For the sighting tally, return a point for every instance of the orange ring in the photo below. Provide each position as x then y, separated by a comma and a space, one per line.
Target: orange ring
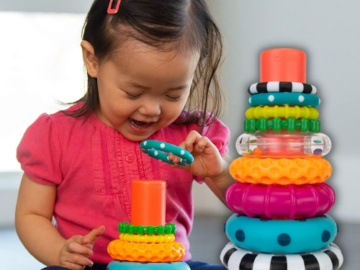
280, 171
141, 252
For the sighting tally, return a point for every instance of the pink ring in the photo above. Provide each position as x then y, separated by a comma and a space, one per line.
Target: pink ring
293, 201
278, 200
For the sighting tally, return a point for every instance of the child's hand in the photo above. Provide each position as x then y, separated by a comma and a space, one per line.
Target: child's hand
207, 159
77, 249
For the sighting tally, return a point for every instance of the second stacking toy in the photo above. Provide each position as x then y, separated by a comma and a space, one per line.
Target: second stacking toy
146, 242
280, 200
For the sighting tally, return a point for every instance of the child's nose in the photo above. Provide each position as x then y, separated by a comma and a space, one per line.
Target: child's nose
150, 108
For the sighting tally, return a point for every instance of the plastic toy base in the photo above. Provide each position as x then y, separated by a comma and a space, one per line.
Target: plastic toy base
277, 200
235, 258
141, 252
280, 171
121, 265
281, 236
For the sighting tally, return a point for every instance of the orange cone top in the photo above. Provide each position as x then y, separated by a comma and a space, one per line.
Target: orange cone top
148, 202
284, 65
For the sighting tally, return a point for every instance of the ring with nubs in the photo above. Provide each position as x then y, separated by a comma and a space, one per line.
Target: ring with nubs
156, 149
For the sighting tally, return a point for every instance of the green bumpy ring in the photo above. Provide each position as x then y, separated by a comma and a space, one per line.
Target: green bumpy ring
126, 227
277, 124
154, 149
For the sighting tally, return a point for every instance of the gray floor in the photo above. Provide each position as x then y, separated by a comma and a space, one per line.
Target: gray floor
207, 239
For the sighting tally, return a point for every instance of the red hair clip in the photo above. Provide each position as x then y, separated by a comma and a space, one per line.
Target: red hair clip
111, 10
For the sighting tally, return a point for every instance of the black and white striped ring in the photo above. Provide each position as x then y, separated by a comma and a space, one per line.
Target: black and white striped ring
273, 87
235, 258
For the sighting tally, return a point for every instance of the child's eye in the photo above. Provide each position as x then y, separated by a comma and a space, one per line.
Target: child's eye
133, 96
174, 98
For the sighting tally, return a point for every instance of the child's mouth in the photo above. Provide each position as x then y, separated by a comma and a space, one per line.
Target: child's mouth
139, 123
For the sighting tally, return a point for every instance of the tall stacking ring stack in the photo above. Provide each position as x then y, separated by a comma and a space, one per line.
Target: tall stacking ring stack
280, 201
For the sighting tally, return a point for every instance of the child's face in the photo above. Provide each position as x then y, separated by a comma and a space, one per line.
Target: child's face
142, 90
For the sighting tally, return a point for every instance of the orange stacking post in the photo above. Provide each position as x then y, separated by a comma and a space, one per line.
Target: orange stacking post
283, 65
148, 202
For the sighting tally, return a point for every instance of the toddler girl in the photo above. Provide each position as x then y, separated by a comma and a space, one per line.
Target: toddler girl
148, 66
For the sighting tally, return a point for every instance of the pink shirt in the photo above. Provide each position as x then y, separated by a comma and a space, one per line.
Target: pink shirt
93, 166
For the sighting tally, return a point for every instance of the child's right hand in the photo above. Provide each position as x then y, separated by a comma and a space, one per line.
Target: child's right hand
77, 249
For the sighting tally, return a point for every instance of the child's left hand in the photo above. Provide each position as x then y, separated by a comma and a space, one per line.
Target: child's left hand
207, 159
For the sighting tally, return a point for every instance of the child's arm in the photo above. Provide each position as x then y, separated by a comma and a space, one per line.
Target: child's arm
33, 221
207, 163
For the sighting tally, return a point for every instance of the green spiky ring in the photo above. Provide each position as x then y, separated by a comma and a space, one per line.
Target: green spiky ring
126, 227
156, 149
278, 124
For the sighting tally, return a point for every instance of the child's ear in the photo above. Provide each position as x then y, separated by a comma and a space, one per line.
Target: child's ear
90, 59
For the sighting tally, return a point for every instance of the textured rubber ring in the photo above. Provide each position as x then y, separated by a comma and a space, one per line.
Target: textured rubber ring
235, 258
126, 227
277, 124
144, 238
280, 201
280, 171
281, 87
123, 265
156, 149
282, 112
141, 252
281, 236
284, 99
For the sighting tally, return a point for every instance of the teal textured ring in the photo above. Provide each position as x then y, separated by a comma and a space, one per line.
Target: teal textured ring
295, 99
156, 149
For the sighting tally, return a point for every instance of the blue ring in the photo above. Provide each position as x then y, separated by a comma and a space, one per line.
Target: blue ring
281, 236
122, 265
296, 99
156, 149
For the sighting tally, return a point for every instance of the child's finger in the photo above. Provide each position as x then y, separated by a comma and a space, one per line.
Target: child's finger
201, 144
79, 260
94, 234
191, 139
75, 247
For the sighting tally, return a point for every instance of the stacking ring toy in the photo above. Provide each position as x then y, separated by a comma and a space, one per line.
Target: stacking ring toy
277, 124
136, 238
282, 145
235, 258
141, 252
281, 236
284, 99
280, 201
155, 150
280, 171
117, 265
270, 87
282, 112
126, 227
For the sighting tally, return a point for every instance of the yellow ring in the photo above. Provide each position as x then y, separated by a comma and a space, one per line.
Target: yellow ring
282, 112
280, 171
141, 252
136, 238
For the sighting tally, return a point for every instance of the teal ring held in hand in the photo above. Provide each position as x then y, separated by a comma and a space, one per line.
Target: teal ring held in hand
156, 149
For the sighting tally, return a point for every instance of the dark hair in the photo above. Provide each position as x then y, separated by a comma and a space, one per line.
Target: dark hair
182, 24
